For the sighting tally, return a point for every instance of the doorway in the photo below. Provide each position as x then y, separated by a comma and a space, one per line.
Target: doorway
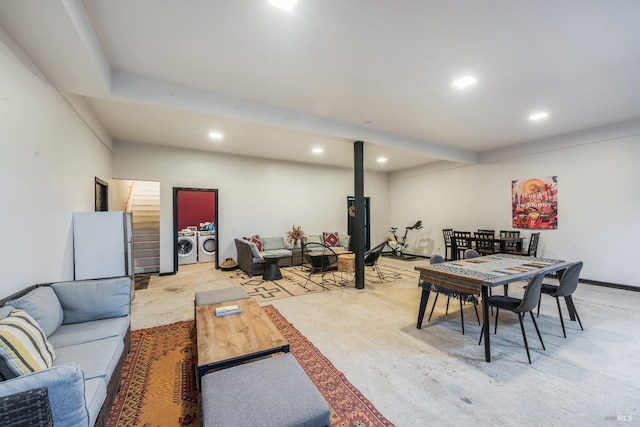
142, 199
195, 209
351, 201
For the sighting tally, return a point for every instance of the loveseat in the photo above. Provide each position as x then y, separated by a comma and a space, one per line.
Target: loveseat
86, 324
251, 258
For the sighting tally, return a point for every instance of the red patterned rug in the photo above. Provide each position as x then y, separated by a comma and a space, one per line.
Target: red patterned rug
159, 389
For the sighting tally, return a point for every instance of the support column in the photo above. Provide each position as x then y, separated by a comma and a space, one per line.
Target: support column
359, 235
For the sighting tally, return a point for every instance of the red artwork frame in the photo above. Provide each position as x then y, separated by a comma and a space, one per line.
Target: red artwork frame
535, 203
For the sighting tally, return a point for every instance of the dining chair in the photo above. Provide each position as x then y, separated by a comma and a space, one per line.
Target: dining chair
510, 246
371, 259
486, 243
471, 253
462, 296
567, 286
462, 241
520, 306
319, 258
486, 230
447, 233
533, 246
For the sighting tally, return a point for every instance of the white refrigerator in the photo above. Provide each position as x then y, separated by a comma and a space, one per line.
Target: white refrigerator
102, 245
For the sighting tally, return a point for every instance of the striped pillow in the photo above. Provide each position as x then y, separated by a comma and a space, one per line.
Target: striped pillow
24, 347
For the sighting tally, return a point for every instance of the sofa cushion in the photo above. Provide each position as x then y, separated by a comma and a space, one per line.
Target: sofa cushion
314, 238
5, 310
66, 392
331, 239
271, 243
43, 305
256, 240
88, 300
95, 393
345, 239
96, 358
280, 253
78, 333
23, 346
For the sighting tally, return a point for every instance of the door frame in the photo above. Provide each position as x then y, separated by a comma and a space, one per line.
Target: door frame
351, 200
102, 195
175, 222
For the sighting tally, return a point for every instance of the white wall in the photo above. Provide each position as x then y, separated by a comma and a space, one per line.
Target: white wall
255, 196
48, 162
598, 199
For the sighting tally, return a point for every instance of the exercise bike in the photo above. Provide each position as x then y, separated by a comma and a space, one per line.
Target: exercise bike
397, 245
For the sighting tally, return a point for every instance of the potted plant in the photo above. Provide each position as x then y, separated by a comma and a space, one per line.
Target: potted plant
296, 235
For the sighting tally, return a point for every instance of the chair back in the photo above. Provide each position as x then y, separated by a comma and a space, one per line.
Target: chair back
485, 241
372, 255
447, 233
569, 280
486, 230
471, 253
436, 259
510, 246
531, 295
533, 244
462, 238
319, 256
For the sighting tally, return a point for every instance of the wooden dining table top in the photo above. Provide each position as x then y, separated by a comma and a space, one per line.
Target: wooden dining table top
491, 270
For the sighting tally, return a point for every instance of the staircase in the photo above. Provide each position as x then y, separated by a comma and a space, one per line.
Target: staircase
144, 204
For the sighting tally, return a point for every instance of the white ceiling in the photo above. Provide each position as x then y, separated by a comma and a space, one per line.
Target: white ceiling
335, 71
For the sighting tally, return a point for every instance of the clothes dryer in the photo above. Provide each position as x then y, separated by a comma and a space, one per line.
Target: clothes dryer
187, 247
206, 246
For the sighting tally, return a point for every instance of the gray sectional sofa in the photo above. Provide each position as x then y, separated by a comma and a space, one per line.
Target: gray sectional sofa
88, 325
251, 261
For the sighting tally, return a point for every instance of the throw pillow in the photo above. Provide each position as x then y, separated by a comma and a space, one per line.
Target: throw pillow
330, 239
24, 347
255, 239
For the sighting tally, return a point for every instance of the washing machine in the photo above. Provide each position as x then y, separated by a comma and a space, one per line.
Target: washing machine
187, 247
206, 246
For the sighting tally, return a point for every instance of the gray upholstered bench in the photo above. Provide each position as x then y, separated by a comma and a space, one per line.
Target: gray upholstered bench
215, 296
271, 392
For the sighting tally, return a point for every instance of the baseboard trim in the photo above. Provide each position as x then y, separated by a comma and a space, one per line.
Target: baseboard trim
611, 285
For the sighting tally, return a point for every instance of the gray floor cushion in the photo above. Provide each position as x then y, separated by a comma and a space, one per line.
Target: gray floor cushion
215, 296
269, 392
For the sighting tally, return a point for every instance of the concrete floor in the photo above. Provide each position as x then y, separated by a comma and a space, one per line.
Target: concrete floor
436, 375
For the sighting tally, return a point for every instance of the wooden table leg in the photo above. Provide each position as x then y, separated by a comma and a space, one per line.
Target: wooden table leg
423, 305
485, 325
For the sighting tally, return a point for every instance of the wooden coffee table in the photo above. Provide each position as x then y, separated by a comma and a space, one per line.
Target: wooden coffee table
233, 339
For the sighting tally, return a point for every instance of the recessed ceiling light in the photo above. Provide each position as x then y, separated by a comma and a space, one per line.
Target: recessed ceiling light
317, 150
464, 81
283, 4
538, 116
382, 160
215, 135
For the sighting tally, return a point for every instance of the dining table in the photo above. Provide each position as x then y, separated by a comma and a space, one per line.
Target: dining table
476, 275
